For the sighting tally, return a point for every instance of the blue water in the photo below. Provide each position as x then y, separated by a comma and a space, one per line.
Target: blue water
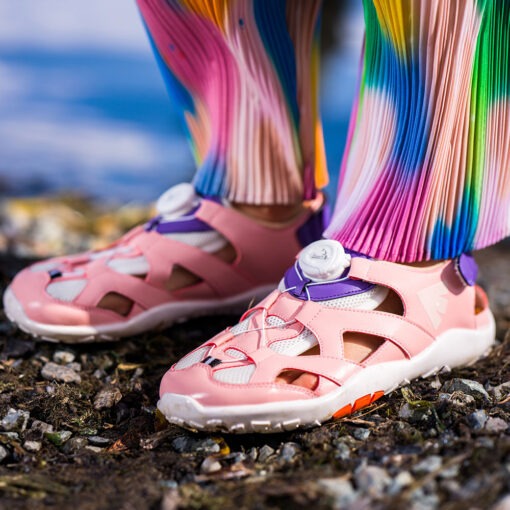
100, 123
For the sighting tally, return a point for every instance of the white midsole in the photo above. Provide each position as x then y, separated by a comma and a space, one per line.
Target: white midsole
453, 348
156, 317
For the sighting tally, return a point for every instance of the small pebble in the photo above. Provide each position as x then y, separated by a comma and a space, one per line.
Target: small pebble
207, 446
428, 465
94, 449
361, 434
52, 371
107, 398
496, 425
501, 392
415, 414
264, 453
99, 441
15, 420
467, 386
10, 435
75, 444
253, 453
32, 446
3, 453
63, 357
58, 438
343, 451
74, 366
41, 427
502, 504
401, 481
340, 489
477, 419
210, 465
289, 451
372, 480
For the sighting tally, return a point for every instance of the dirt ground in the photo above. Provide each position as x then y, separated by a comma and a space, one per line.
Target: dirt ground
442, 442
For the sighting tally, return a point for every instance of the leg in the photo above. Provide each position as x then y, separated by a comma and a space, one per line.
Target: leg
241, 71
433, 183
427, 155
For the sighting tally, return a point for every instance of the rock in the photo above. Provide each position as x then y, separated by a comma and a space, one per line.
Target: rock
75, 444
253, 453
10, 435
288, 451
477, 419
171, 500
74, 366
210, 465
500, 392
450, 472
93, 449
32, 446
52, 371
424, 501
264, 453
17, 347
343, 451
428, 465
502, 504
63, 357
107, 398
467, 386
372, 480
207, 446
99, 441
401, 481
186, 444
415, 414
58, 438
3, 453
41, 427
15, 420
457, 400
340, 489
361, 434
496, 425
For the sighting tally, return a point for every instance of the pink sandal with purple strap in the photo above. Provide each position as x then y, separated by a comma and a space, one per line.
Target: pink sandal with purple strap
233, 382
60, 299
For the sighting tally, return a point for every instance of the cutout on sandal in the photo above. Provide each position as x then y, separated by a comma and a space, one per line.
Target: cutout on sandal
116, 303
298, 378
360, 346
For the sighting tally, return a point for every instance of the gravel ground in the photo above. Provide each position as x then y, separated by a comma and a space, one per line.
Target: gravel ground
79, 429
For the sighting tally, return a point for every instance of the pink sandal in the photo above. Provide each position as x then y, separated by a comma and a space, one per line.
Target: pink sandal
229, 383
58, 299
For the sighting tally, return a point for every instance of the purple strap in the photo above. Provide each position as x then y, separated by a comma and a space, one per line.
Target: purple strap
303, 288
184, 224
467, 268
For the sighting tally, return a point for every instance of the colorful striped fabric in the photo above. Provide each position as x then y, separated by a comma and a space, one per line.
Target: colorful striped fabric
246, 75
426, 174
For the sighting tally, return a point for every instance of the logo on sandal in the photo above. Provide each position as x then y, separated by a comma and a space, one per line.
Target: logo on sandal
434, 300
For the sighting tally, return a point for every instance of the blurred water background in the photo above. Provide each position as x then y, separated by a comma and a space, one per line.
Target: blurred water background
83, 107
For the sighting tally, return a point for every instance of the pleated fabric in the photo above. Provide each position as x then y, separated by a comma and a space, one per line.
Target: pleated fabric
426, 173
246, 75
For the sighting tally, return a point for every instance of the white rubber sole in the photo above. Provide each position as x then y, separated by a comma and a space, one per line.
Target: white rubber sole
456, 347
156, 318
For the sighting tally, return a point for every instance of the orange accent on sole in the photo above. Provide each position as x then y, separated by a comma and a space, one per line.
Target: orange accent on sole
358, 404
345, 411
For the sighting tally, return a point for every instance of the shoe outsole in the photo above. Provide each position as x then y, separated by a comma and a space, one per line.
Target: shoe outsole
454, 348
151, 320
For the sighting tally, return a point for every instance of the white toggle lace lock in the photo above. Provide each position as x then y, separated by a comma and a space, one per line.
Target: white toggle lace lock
324, 260
177, 201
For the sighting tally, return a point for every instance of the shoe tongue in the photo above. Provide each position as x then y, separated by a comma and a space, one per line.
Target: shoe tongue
324, 260
177, 201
